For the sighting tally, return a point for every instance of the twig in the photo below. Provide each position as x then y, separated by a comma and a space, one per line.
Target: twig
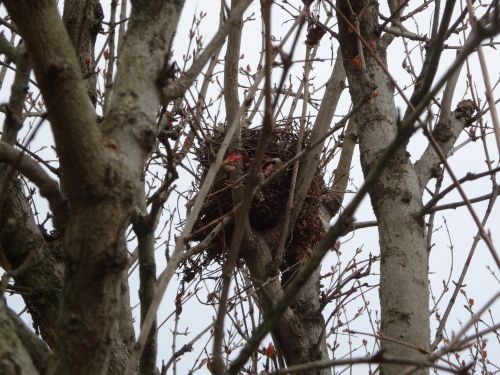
377, 358
48, 187
253, 179
468, 177
484, 71
177, 88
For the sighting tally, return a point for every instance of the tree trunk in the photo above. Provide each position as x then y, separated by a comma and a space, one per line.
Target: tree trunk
396, 197
300, 332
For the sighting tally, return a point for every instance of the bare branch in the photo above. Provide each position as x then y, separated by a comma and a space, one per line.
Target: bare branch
8, 49
144, 230
377, 358
459, 283
37, 349
431, 62
446, 133
335, 196
58, 73
13, 353
48, 187
484, 71
177, 88
308, 166
469, 177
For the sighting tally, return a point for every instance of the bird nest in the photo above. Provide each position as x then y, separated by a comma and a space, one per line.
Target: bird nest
269, 204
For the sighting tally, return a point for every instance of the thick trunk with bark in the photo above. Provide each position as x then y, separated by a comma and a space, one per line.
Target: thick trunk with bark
101, 172
396, 197
36, 268
300, 332
94, 263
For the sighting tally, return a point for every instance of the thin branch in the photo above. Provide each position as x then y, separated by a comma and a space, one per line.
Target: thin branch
457, 339
254, 176
48, 187
432, 58
308, 167
335, 196
468, 177
455, 205
484, 71
177, 88
346, 217
459, 283
180, 244
377, 358
185, 349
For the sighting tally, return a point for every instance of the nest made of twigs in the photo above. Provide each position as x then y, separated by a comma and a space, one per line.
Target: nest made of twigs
269, 204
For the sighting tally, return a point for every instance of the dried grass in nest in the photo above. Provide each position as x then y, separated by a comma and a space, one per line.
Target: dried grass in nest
268, 206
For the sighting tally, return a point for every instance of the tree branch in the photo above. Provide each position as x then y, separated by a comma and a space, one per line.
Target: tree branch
48, 187
332, 201
309, 165
14, 355
136, 96
177, 88
37, 349
70, 111
241, 224
83, 21
34, 263
468, 177
8, 49
145, 232
446, 133
432, 58
377, 358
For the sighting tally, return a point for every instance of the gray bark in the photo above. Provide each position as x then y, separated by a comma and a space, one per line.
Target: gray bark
83, 22
299, 335
396, 200
14, 357
36, 265
101, 184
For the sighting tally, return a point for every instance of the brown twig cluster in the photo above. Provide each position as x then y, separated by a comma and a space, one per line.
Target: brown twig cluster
269, 204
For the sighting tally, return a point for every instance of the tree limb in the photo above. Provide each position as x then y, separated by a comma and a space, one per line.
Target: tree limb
332, 201
14, 356
37, 349
70, 111
145, 232
48, 187
131, 120
309, 165
177, 88
8, 49
34, 263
